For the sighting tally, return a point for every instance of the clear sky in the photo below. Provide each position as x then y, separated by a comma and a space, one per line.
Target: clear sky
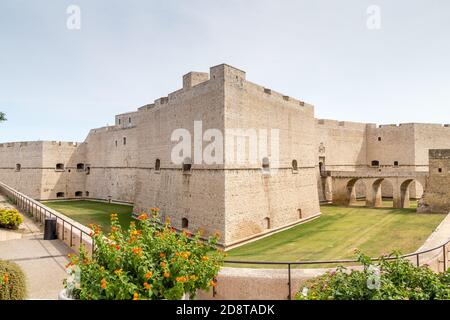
56, 83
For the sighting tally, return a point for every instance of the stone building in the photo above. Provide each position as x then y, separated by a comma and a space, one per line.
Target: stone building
437, 194
132, 160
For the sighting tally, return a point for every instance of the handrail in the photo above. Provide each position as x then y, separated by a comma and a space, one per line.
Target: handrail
42, 212
27, 203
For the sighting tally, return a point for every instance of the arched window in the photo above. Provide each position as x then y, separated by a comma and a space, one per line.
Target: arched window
267, 223
294, 165
87, 193
79, 194
157, 165
60, 167
88, 170
18, 167
375, 163
266, 165
187, 165
60, 195
80, 167
185, 223
124, 141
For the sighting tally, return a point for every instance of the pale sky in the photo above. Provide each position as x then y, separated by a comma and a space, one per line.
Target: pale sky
56, 83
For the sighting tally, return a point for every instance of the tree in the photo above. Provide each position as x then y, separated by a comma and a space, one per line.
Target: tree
2, 116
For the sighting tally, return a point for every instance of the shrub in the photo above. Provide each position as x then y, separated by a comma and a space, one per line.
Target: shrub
12, 281
396, 279
148, 261
10, 219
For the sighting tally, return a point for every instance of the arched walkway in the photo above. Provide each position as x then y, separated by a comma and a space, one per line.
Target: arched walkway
377, 191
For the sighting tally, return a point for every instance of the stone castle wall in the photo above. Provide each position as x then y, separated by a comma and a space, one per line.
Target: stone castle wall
237, 199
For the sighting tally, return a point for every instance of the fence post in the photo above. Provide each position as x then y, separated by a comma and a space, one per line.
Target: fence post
445, 257
418, 261
289, 282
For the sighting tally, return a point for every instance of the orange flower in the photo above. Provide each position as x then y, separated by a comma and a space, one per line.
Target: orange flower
181, 279
205, 258
162, 255
104, 283
137, 251
213, 284
6, 278
143, 217
147, 286
69, 265
166, 274
163, 264
186, 255
135, 296
148, 275
118, 247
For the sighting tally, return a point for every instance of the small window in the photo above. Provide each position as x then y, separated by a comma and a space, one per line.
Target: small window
267, 223
294, 165
299, 211
80, 167
185, 223
379, 138
396, 164
440, 170
120, 121
129, 120
60, 195
187, 165
18, 167
116, 143
375, 163
124, 141
87, 193
88, 170
157, 165
266, 165
79, 194
60, 167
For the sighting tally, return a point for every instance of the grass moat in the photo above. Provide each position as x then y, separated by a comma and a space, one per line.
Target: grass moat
340, 230
93, 212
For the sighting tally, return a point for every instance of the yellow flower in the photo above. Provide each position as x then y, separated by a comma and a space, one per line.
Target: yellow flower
135, 296
118, 272
205, 258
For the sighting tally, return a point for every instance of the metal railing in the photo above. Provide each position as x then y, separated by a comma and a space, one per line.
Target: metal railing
289, 265
41, 212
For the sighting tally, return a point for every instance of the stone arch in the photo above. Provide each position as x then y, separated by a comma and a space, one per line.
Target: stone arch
404, 198
375, 197
354, 194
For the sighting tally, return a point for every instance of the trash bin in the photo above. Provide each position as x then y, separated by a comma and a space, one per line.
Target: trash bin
50, 229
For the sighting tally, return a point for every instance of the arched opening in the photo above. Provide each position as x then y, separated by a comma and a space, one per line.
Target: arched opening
411, 191
87, 193
88, 170
157, 165
294, 165
356, 192
184, 223
381, 194
79, 194
187, 165
60, 195
266, 165
267, 223
59, 167
18, 167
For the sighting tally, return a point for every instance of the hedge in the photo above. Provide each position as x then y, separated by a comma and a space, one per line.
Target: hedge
12, 281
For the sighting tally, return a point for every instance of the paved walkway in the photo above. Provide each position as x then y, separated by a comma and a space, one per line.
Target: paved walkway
43, 262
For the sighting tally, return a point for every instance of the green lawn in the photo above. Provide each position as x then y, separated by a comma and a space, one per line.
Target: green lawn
339, 231
87, 212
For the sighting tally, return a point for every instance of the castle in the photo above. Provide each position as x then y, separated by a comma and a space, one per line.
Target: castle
316, 160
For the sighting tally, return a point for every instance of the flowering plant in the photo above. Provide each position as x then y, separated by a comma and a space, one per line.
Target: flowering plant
150, 260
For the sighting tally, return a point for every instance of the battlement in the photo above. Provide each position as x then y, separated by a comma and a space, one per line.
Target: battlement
436, 154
